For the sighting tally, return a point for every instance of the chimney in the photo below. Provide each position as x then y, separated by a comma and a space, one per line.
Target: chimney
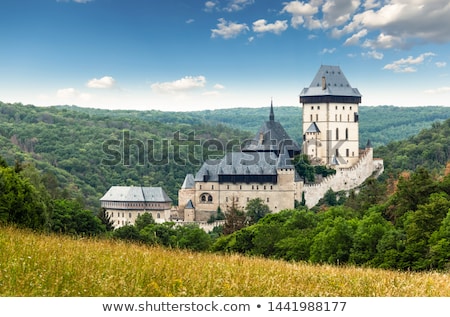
324, 83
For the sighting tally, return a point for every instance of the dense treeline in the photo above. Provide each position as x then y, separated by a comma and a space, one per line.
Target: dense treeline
380, 124
89, 153
408, 229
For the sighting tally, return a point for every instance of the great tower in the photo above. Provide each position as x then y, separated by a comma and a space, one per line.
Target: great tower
331, 119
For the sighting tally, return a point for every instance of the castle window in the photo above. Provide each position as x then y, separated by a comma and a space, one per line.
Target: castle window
129, 215
267, 199
158, 215
312, 107
337, 134
346, 133
200, 186
348, 118
317, 117
318, 107
335, 117
206, 198
347, 152
248, 199
212, 187
311, 118
337, 152
228, 186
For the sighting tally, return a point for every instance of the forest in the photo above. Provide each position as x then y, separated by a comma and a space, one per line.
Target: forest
51, 176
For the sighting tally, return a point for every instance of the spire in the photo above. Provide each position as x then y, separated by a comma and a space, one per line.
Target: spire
271, 116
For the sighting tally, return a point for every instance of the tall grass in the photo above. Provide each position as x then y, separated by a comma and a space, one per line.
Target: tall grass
50, 265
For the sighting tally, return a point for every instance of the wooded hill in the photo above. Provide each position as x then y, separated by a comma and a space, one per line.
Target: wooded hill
78, 147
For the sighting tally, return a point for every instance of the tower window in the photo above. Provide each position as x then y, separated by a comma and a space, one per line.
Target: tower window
346, 134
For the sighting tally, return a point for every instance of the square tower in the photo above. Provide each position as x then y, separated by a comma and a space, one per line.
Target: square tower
330, 119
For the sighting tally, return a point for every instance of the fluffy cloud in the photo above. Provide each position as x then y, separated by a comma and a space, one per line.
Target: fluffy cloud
407, 65
387, 24
102, 83
228, 29
261, 26
300, 11
184, 84
71, 94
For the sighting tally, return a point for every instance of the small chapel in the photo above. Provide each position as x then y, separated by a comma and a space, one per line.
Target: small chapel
263, 168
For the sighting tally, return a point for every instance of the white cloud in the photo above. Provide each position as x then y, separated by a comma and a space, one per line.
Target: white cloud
102, 83
230, 6
71, 94
228, 29
237, 5
401, 23
354, 39
219, 86
441, 64
184, 84
299, 10
440, 90
374, 55
261, 26
384, 41
210, 6
337, 12
328, 51
405, 65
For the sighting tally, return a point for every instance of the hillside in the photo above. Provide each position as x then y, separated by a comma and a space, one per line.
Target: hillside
88, 150
381, 124
52, 265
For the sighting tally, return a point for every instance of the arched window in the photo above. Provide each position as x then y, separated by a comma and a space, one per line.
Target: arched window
206, 198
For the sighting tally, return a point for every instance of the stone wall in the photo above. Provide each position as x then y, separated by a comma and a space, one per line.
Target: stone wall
345, 178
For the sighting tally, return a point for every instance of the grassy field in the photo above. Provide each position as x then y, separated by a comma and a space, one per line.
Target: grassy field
50, 265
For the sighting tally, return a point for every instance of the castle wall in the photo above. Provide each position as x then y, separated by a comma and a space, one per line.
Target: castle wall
344, 179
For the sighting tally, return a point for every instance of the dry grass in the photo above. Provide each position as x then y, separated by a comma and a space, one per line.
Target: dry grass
42, 265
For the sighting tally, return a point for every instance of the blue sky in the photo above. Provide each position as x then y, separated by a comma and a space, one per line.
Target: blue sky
192, 55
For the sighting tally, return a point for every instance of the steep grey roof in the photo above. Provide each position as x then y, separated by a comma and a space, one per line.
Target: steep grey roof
136, 194
272, 137
239, 163
334, 81
189, 182
313, 128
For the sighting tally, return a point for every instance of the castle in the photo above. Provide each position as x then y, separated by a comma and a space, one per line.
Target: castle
264, 169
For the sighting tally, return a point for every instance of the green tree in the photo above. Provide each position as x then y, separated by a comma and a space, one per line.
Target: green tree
368, 233
192, 237
143, 220
256, 210
19, 201
440, 246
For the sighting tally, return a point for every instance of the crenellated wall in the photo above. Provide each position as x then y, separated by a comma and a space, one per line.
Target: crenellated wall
345, 178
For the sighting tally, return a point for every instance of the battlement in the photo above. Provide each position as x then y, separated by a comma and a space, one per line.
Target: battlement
345, 178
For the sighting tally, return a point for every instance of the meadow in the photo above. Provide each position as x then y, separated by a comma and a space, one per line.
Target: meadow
37, 265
